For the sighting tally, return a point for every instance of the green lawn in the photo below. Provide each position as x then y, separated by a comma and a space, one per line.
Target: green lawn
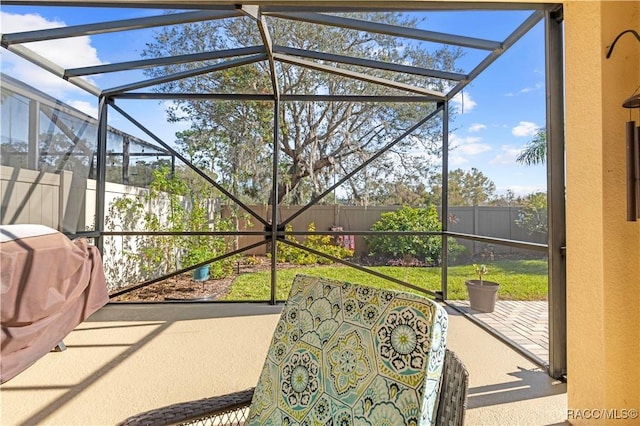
519, 279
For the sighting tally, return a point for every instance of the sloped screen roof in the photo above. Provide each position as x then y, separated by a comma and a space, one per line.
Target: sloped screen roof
256, 37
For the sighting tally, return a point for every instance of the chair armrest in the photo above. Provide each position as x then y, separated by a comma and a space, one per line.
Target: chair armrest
452, 402
228, 409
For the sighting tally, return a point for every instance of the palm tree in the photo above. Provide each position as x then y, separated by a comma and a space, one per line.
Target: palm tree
535, 152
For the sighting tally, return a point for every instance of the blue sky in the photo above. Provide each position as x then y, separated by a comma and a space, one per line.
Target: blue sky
503, 107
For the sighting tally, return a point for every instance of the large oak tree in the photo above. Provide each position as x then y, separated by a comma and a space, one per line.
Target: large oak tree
319, 141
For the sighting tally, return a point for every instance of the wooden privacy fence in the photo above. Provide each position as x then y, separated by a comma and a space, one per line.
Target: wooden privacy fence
66, 202
498, 222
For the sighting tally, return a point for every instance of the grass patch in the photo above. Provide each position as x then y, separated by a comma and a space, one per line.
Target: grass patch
519, 279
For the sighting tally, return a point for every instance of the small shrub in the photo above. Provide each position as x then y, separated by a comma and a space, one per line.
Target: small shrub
533, 216
322, 243
221, 269
252, 260
171, 204
427, 248
201, 248
325, 244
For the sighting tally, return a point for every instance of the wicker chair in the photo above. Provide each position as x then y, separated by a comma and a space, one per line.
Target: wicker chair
343, 352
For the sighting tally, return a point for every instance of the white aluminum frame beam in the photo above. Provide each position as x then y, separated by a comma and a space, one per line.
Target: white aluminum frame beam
321, 6
255, 13
53, 68
113, 26
393, 30
186, 74
292, 6
283, 97
369, 63
358, 76
516, 35
168, 60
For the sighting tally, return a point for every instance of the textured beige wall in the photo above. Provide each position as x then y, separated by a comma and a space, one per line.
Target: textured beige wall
603, 249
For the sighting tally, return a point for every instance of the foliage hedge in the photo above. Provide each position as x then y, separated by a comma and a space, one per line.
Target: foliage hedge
322, 243
425, 248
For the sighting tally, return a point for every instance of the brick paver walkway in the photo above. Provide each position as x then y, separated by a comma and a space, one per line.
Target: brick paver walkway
523, 322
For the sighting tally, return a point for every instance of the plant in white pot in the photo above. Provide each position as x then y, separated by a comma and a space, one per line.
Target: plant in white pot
482, 293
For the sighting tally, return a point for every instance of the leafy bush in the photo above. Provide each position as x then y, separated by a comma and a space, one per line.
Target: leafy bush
427, 248
171, 204
252, 260
121, 259
322, 243
533, 216
200, 248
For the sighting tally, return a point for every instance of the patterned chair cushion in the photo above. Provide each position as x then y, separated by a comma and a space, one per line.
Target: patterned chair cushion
352, 354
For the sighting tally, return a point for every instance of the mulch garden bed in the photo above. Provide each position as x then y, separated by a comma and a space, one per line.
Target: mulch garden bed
184, 288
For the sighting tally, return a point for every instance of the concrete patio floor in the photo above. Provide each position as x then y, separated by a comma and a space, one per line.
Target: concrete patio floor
131, 358
524, 323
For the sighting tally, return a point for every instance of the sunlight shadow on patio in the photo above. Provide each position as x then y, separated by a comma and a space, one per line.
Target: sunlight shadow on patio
130, 358
505, 387
533, 383
73, 390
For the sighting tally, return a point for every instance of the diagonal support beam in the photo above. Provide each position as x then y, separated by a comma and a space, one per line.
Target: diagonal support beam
255, 13
190, 165
53, 68
350, 60
186, 74
384, 149
74, 136
516, 35
113, 26
169, 60
187, 269
393, 30
357, 75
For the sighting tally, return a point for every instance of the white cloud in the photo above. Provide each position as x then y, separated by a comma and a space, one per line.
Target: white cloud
521, 190
468, 145
534, 88
16, 23
525, 128
538, 86
473, 149
455, 140
456, 161
68, 53
464, 102
507, 155
476, 127
86, 107
34, 76
464, 147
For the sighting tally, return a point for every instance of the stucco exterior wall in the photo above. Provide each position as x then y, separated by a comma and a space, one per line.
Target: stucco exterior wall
603, 249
